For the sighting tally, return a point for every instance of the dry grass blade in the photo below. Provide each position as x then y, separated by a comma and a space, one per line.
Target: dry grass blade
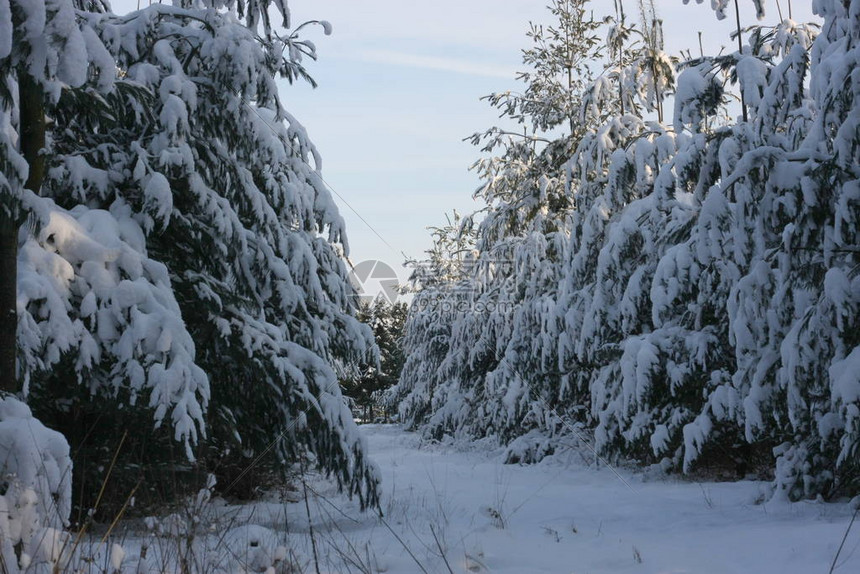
441, 550
86, 524
402, 543
119, 514
844, 538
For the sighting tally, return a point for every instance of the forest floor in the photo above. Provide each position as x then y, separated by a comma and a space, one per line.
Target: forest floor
454, 509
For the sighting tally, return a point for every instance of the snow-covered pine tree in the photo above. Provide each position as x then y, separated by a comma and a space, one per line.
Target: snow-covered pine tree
671, 390
614, 228
173, 167
441, 285
753, 225
498, 371
46, 48
514, 367
757, 254
50, 50
520, 252
41, 47
815, 216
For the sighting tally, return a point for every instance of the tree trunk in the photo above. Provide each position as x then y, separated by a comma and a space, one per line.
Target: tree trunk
740, 53
8, 298
32, 140
32, 130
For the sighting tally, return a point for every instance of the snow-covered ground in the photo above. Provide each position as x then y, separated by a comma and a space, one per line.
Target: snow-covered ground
449, 509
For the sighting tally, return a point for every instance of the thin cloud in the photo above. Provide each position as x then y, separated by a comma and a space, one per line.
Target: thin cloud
436, 63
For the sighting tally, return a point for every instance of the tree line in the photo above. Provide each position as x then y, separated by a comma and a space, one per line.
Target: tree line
668, 264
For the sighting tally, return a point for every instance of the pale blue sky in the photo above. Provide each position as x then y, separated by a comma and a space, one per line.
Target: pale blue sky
399, 88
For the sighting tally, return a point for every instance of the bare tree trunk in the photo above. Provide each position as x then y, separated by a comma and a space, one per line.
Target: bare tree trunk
657, 94
570, 119
32, 140
619, 12
740, 52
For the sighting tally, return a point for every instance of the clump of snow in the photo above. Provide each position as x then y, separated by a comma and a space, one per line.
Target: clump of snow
117, 554
254, 548
94, 262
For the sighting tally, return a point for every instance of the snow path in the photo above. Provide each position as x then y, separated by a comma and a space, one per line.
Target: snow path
560, 518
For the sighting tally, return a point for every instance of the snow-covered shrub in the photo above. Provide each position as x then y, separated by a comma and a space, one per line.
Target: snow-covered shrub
36, 498
528, 448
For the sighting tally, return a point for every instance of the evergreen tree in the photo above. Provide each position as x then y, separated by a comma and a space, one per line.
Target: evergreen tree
200, 252
367, 385
441, 286
495, 351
